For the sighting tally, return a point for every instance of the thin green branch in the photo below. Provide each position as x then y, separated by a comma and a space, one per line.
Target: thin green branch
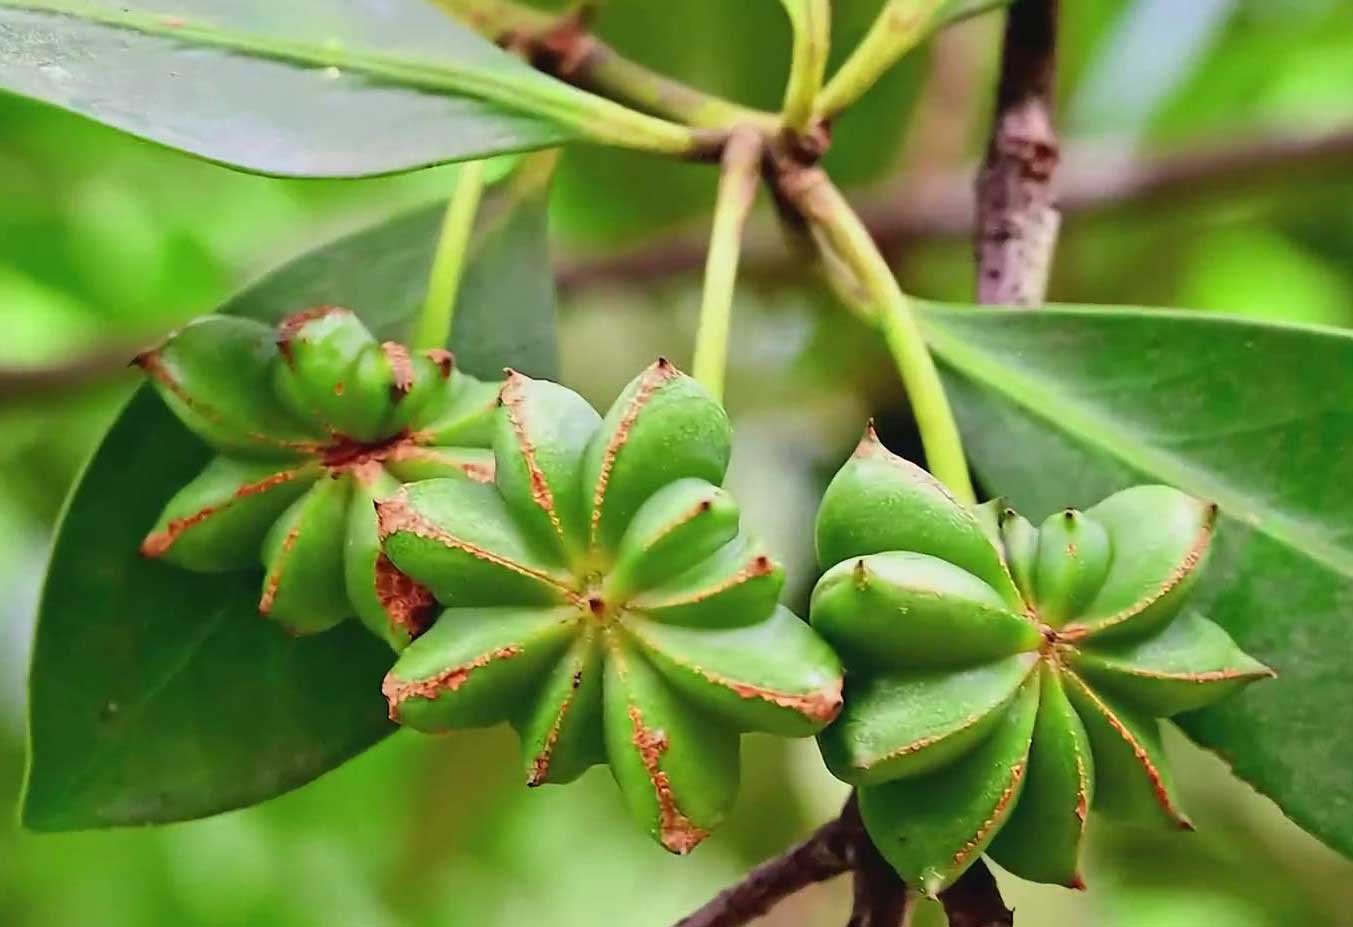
563, 48
811, 21
900, 26
448, 263
737, 190
846, 243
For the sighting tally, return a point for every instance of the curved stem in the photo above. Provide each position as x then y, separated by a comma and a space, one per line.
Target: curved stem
811, 21
737, 189
563, 48
847, 243
899, 27
448, 263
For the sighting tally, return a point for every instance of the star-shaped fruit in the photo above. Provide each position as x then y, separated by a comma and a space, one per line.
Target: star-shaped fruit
601, 596
1003, 679
313, 421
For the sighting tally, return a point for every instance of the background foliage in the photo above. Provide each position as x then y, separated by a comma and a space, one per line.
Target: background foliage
105, 242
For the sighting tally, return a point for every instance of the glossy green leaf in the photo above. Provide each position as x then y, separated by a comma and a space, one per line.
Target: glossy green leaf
160, 694
303, 88
1064, 405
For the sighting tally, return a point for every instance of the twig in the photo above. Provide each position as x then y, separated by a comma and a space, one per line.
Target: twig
1016, 237
899, 27
975, 900
881, 897
91, 368
853, 260
829, 852
1017, 223
1090, 181
566, 49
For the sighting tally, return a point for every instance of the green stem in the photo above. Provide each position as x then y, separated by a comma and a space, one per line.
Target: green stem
448, 263
588, 62
847, 243
737, 189
899, 27
811, 21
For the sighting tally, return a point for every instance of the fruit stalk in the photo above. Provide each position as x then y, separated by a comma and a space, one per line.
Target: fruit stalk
448, 263
844, 241
737, 190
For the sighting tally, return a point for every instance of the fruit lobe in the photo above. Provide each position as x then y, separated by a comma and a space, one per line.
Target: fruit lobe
1005, 679
313, 421
602, 596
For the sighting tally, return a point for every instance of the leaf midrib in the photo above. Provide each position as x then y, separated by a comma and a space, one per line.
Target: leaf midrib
527, 94
1042, 397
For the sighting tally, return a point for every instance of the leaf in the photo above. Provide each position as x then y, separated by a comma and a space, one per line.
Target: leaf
305, 88
1063, 406
160, 694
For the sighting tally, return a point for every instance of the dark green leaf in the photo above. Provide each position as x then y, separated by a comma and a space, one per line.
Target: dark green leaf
308, 88
1065, 405
159, 694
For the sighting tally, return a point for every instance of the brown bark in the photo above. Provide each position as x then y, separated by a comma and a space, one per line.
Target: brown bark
1016, 220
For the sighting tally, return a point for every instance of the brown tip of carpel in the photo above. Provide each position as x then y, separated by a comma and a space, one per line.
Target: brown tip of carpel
444, 359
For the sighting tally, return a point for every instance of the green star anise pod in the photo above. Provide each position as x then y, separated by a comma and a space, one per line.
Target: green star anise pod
1003, 679
602, 597
313, 421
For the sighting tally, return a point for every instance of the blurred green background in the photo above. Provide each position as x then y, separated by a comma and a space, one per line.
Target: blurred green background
106, 242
